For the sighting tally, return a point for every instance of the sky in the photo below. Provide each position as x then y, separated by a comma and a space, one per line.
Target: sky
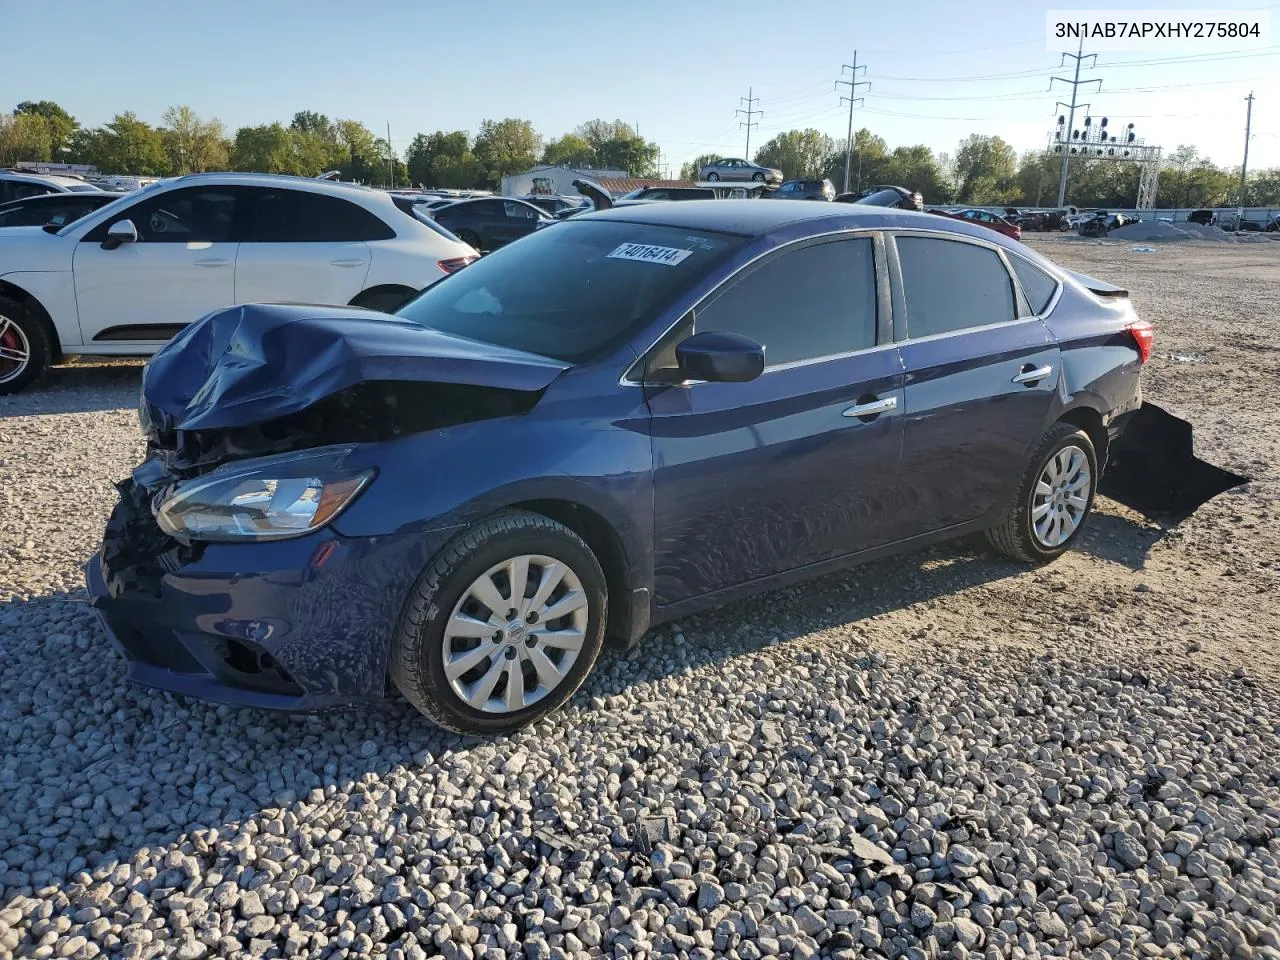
939, 69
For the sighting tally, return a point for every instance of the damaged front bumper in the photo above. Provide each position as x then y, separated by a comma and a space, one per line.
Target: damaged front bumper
299, 624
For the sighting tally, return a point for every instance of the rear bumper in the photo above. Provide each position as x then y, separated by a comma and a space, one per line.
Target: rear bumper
301, 624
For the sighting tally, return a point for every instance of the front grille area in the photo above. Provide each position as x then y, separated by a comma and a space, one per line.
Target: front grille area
135, 552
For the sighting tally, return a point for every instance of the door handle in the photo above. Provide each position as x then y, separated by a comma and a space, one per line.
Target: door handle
1032, 374
347, 263
872, 409
213, 262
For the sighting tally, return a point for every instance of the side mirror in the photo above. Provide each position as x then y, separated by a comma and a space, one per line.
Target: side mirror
122, 231
719, 357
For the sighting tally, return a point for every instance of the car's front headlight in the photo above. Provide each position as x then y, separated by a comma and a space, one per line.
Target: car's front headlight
268, 499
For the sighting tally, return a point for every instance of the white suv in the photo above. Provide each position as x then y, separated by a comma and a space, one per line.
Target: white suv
129, 276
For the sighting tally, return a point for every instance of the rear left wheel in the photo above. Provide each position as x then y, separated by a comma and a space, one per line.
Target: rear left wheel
503, 626
1053, 499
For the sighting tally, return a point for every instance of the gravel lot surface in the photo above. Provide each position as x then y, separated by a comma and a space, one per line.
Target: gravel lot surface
942, 755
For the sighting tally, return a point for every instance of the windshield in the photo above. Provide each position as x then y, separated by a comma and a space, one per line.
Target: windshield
572, 292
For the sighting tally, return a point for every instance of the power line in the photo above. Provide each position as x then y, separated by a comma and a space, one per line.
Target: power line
853, 83
748, 123
1079, 56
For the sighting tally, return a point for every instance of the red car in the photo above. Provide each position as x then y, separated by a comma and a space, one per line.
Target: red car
989, 220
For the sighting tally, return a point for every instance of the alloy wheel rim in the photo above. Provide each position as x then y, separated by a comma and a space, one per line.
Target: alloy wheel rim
515, 633
1061, 497
15, 350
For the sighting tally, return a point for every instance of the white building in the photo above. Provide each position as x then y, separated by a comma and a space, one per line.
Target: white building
547, 179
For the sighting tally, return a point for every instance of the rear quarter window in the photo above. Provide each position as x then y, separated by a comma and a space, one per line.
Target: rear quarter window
1037, 285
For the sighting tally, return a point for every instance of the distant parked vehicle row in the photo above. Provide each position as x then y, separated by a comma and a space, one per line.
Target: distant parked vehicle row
804, 190
984, 219
488, 223
127, 277
16, 185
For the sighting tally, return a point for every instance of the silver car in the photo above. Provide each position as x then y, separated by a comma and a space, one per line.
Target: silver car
734, 169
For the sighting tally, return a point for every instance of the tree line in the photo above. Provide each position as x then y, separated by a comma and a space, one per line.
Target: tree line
987, 171
311, 144
983, 169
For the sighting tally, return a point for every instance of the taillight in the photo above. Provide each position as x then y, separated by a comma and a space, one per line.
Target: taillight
454, 264
1143, 338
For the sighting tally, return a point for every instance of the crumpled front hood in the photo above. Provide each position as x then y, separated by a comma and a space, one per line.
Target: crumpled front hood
258, 362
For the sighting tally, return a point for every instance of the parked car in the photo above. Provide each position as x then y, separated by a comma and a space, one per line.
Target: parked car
669, 193
885, 196
552, 203
735, 169
127, 277
804, 190
15, 185
53, 208
984, 219
614, 423
488, 223
1046, 220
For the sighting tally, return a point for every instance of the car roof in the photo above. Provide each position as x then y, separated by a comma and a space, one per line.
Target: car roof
52, 178
753, 218
332, 187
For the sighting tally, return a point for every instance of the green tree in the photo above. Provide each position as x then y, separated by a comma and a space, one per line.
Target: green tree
61, 124
364, 160
24, 136
571, 150
985, 168
85, 146
1189, 180
308, 121
267, 148
917, 168
1264, 188
131, 146
194, 145
868, 162
506, 146
797, 153
443, 159
615, 145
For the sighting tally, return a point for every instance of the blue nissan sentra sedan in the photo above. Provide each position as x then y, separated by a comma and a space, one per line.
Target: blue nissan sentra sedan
639, 413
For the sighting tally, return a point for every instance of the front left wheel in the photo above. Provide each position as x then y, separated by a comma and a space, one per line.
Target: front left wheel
503, 625
25, 351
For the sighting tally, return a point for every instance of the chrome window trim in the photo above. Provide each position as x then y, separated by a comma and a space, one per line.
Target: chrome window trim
848, 232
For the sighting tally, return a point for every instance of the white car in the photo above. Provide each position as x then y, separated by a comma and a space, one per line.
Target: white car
16, 185
129, 276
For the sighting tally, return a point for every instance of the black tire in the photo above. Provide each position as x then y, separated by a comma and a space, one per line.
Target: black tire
22, 331
713, 177
417, 651
387, 301
758, 177
471, 238
1015, 536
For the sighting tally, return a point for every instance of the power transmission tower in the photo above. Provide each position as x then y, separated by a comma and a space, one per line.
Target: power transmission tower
750, 112
853, 83
1076, 83
1244, 167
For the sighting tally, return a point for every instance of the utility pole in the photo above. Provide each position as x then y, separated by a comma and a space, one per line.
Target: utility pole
1244, 167
853, 83
391, 162
750, 112
1075, 83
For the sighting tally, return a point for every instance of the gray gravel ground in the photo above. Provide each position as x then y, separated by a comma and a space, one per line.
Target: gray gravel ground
942, 755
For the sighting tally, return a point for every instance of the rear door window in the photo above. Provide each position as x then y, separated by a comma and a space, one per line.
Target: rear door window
951, 285
296, 216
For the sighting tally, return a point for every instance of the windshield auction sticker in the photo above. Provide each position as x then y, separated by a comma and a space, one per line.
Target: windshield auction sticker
1146, 31
648, 253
